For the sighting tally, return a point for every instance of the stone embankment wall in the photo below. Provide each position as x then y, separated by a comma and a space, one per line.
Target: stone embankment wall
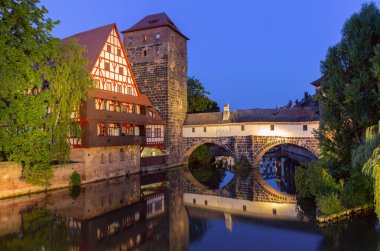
93, 164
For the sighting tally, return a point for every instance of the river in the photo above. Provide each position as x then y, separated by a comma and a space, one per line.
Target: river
158, 212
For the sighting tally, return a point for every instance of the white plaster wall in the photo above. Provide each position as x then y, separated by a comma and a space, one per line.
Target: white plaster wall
256, 129
266, 209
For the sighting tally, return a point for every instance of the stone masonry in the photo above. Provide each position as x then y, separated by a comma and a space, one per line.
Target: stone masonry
253, 148
158, 57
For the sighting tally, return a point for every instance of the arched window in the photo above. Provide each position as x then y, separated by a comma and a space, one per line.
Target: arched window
122, 155
102, 159
110, 158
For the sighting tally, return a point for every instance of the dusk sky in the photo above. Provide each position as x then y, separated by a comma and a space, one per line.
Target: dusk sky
250, 54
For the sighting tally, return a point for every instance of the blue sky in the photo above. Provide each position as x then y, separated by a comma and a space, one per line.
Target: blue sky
248, 53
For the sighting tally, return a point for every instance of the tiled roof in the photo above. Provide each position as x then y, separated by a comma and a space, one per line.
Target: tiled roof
317, 83
254, 115
154, 21
94, 41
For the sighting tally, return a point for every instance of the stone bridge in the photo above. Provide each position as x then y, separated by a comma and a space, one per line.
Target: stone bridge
250, 134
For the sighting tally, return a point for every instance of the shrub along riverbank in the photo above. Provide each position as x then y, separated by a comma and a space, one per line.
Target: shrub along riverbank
346, 174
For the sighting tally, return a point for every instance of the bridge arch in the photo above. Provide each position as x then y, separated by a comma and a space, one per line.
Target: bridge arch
190, 149
263, 191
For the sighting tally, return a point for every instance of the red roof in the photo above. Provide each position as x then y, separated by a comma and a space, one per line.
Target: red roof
154, 21
94, 41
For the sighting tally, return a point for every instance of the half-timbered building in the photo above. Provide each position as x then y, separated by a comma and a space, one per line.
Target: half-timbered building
116, 120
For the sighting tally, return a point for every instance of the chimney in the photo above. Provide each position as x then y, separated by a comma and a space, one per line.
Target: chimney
306, 95
226, 112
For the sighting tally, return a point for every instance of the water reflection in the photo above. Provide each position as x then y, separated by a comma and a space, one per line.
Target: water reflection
158, 212
119, 214
279, 163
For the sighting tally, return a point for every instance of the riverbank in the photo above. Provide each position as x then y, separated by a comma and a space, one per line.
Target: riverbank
13, 185
326, 220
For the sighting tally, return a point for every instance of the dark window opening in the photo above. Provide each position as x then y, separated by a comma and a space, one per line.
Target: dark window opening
193, 129
243, 127
108, 48
119, 52
204, 129
305, 127
106, 66
272, 127
144, 53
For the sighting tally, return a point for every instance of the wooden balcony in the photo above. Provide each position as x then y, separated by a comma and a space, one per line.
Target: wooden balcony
154, 141
116, 140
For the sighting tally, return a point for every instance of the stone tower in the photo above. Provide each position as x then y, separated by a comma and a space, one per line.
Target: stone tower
157, 51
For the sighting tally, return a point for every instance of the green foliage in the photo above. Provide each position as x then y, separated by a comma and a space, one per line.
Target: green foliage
197, 98
312, 180
201, 155
40, 228
372, 165
75, 179
329, 204
242, 167
29, 134
349, 94
357, 191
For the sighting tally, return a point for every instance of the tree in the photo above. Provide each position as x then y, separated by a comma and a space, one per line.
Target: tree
197, 98
349, 94
41, 84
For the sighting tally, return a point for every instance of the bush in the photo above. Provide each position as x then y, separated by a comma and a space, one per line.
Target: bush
329, 204
357, 191
201, 155
312, 180
75, 179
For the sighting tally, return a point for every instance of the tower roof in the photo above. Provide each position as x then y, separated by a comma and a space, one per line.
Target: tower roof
155, 21
94, 41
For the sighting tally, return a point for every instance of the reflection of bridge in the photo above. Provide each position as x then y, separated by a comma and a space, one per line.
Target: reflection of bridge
250, 134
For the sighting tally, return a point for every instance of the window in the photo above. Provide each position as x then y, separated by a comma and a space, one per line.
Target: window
129, 90
113, 129
272, 127
149, 132
101, 129
242, 128
145, 37
193, 129
119, 52
97, 83
137, 109
102, 159
131, 39
305, 127
109, 86
122, 157
124, 107
119, 88
144, 53
204, 129
108, 48
158, 36
106, 66
126, 129
157, 132
121, 70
